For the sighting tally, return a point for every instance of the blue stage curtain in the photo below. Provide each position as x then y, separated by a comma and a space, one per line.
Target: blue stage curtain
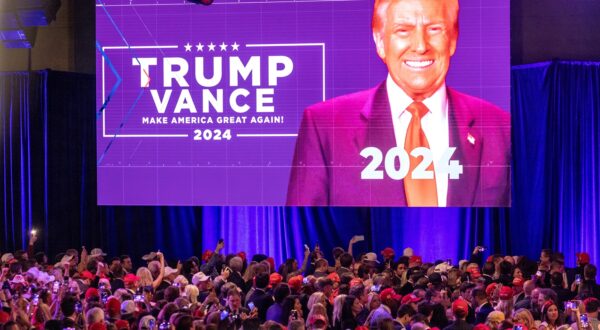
572, 158
529, 103
23, 187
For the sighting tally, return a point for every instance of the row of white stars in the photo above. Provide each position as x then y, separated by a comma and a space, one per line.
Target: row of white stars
211, 47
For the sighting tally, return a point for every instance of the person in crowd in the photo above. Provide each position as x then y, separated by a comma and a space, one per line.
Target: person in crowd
338, 304
275, 311
527, 301
551, 318
346, 262
403, 316
460, 309
505, 305
290, 268
523, 316
518, 291
260, 297
587, 287
484, 307
350, 310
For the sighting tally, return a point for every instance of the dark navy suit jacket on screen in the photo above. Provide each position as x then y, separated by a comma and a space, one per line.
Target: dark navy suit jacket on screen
327, 165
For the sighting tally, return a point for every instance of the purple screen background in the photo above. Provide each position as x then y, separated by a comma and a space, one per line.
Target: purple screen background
135, 167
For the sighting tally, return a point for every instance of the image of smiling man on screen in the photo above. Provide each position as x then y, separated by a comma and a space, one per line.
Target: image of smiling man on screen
412, 140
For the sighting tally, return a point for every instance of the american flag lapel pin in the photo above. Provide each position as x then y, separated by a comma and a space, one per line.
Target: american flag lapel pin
471, 139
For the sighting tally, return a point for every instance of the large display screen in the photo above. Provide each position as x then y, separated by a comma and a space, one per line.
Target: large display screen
307, 103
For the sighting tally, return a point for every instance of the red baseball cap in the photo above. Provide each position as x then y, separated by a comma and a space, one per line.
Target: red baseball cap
334, 277
415, 259
460, 307
583, 258
275, 278
113, 306
388, 252
296, 282
389, 293
87, 275
130, 278
242, 255
91, 292
489, 290
122, 324
506, 293
410, 298
271, 262
206, 255
355, 281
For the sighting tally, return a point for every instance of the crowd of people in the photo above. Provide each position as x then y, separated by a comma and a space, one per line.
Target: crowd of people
88, 290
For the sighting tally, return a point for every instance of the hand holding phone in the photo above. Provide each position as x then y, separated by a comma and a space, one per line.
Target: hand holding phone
583, 318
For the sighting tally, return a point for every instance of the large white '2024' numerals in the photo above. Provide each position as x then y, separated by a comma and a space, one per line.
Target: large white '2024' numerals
444, 166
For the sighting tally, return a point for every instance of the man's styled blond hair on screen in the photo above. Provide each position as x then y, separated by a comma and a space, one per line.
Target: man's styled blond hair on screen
380, 8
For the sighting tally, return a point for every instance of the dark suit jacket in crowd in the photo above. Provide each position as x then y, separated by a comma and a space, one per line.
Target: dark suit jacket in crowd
262, 301
563, 295
523, 303
482, 314
238, 280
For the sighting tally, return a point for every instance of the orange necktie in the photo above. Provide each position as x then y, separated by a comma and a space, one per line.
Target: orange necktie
419, 192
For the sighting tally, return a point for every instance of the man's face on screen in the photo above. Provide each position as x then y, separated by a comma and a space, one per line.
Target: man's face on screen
416, 40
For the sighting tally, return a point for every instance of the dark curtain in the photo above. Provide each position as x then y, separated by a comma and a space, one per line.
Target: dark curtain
572, 157
556, 194
23, 185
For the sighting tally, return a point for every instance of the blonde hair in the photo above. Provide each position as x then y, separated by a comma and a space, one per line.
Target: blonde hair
315, 298
94, 315
181, 280
380, 8
338, 304
317, 308
192, 292
145, 276
527, 317
505, 306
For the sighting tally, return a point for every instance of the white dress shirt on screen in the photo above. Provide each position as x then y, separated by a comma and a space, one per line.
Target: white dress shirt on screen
434, 124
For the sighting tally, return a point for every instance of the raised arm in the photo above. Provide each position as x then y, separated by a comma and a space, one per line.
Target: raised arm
354, 239
82, 260
161, 275
304, 265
